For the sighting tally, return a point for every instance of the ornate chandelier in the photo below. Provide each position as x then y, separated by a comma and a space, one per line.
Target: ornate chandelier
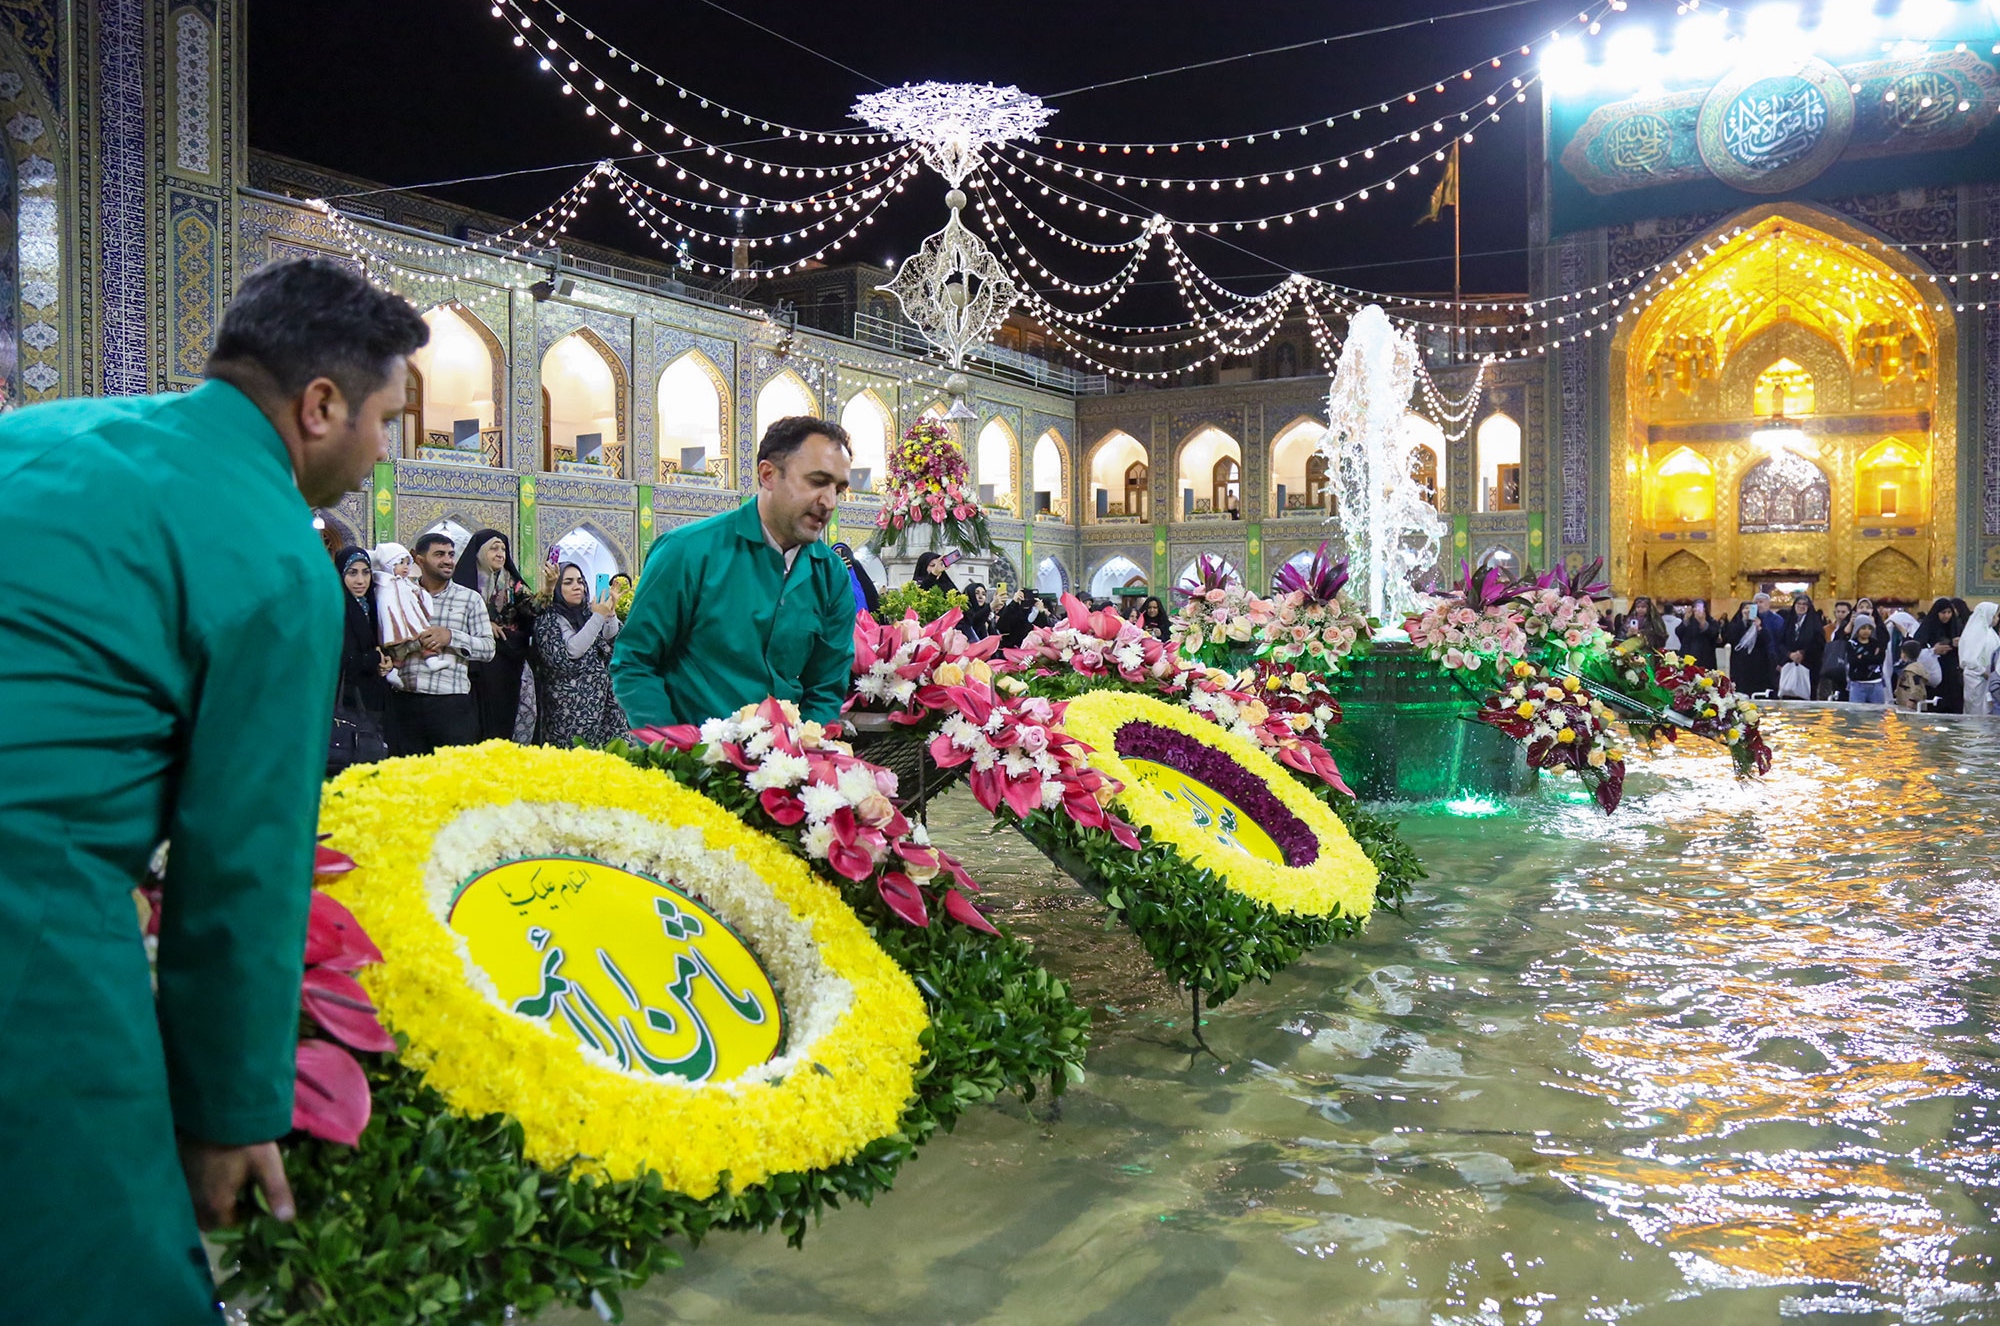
954, 289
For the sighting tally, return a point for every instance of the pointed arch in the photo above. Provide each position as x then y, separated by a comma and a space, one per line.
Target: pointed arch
584, 394
461, 375
997, 464
1111, 468
591, 548
1427, 456
1115, 573
1890, 574
1783, 493
783, 395
1208, 470
1681, 577
866, 420
1298, 468
1682, 491
1048, 476
693, 411
1889, 482
1496, 454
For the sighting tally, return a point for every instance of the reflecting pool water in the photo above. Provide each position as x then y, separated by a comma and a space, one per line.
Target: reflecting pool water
1732, 1055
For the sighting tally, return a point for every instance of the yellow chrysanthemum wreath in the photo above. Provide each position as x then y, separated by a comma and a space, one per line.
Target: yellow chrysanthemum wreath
1342, 878
484, 1059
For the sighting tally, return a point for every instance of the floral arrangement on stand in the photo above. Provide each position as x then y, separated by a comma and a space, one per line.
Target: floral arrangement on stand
1560, 608
525, 1151
929, 485
1563, 727
1675, 694
1315, 629
1475, 626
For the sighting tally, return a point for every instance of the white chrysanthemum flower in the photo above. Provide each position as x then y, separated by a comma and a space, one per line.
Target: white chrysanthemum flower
920, 835
856, 784
1052, 794
817, 840
821, 801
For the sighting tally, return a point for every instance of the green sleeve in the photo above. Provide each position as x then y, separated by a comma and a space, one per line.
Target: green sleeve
652, 630
239, 872
829, 673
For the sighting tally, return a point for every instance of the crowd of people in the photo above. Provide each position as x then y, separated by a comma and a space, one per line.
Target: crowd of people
444, 648
1865, 653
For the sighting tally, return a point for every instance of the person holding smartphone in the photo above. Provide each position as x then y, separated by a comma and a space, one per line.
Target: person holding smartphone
933, 571
573, 644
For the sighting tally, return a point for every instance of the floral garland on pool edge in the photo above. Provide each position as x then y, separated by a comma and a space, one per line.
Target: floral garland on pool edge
1562, 727
507, 1163
1211, 917
1305, 625
928, 484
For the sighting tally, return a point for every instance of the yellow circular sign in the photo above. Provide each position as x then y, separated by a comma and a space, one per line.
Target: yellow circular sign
631, 966
1209, 810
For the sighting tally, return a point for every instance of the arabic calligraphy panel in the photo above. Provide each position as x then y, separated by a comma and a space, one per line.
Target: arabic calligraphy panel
1772, 134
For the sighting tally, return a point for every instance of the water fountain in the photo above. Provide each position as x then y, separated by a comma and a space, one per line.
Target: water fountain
1406, 734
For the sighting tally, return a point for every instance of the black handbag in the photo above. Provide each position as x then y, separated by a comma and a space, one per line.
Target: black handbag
357, 734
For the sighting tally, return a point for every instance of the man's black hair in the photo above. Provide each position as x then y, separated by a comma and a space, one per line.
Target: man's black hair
430, 540
788, 434
1911, 649
308, 318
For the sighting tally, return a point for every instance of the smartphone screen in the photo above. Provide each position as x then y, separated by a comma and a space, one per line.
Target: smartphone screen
950, 559
603, 584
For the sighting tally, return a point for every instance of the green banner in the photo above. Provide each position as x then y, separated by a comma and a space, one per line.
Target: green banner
1535, 544
385, 501
1461, 542
527, 525
1162, 577
1849, 120
1253, 560
645, 491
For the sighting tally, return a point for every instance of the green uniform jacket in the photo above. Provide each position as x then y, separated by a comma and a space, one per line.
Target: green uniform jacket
717, 624
171, 631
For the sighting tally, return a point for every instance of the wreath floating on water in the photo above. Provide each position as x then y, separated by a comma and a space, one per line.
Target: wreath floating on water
628, 1011
1240, 868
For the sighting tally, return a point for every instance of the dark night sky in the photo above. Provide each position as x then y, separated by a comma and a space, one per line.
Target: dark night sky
412, 91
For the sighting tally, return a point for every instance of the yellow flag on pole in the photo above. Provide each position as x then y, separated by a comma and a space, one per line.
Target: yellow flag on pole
1446, 193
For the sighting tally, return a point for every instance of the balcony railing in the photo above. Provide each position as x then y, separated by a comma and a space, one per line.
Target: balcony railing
439, 448
1031, 369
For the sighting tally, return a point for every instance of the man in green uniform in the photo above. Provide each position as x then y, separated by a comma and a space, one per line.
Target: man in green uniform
168, 673
748, 604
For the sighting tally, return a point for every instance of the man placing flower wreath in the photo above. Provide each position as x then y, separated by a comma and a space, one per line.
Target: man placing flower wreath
749, 604
149, 697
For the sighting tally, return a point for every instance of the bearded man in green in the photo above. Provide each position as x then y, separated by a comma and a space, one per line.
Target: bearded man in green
751, 603
170, 676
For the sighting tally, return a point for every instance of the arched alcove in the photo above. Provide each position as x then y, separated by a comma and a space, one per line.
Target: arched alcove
693, 417
459, 374
780, 398
1298, 473
998, 466
1683, 490
1681, 578
1049, 477
1050, 578
1501, 558
583, 419
1783, 493
1119, 475
1496, 449
1889, 574
1209, 474
1427, 456
1889, 483
866, 420
1115, 574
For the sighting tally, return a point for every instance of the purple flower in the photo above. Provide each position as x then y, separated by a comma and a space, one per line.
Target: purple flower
1214, 768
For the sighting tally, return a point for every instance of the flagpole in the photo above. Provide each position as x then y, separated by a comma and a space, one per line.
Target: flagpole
1457, 244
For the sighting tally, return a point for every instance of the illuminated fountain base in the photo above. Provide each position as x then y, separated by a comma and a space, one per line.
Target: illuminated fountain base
1406, 734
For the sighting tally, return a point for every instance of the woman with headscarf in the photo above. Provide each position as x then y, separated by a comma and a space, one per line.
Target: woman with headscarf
1977, 646
1012, 621
1939, 633
1700, 635
487, 569
1642, 620
932, 576
866, 597
978, 621
363, 665
1749, 661
1153, 618
573, 646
